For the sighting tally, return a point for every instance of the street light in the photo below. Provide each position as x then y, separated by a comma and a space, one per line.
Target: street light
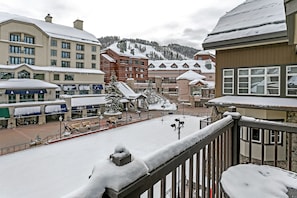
163, 107
60, 119
178, 126
148, 112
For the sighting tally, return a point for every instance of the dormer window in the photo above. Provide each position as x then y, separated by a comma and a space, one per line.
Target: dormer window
197, 65
185, 65
151, 66
162, 66
174, 66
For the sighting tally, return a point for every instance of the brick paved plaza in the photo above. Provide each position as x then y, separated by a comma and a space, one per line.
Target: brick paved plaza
25, 134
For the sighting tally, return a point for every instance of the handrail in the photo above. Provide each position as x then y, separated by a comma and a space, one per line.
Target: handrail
265, 124
167, 159
162, 170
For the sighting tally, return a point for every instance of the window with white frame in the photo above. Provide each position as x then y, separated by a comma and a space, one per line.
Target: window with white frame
273, 135
65, 45
256, 135
228, 81
29, 50
30, 61
291, 80
259, 81
15, 49
29, 39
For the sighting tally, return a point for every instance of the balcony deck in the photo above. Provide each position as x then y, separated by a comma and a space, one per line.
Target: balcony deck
193, 166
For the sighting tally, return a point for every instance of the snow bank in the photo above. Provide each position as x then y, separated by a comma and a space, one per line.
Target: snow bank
250, 180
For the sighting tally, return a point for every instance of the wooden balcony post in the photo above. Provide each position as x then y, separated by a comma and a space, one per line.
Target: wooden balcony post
235, 137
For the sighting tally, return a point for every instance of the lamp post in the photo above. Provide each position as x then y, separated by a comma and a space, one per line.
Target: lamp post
60, 119
163, 107
148, 112
178, 126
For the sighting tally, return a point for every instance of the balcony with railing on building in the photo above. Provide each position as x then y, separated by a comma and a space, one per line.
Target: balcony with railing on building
204, 163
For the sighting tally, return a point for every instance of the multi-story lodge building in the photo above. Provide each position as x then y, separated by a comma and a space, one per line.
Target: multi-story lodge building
67, 58
124, 64
256, 68
63, 55
164, 74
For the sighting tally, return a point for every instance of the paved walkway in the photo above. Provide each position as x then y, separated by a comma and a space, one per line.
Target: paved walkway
24, 134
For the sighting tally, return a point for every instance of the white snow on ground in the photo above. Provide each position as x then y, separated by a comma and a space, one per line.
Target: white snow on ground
58, 169
167, 105
249, 180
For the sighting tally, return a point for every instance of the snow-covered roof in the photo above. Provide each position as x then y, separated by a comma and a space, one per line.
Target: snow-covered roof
126, 90
204, 52
205, 66
190, 75
53, 69
274, 103
107, 57
251, 21
137, 53
53, 30
26, 84
87, 101
208, 84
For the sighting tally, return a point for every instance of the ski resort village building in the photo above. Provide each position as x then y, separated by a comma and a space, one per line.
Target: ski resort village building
55, 60
124, 63
165, 75
256, 68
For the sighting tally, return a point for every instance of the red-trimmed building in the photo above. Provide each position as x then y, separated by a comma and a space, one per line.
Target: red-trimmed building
123, 64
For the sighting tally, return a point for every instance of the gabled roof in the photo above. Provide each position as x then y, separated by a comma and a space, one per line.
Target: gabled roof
107, 57
190, 75
127, 91
253, 22
26, 83
136, 53
53, 30
53, 69
208, 84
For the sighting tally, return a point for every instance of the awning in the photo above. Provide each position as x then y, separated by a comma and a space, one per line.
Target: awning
27, 111
69, 87
84, 87
25, 91
4, 113
55, 109
97, 87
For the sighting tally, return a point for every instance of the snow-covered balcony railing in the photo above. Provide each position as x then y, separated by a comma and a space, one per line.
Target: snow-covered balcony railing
192, 166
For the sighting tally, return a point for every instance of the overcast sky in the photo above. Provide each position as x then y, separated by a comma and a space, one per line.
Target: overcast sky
184, 22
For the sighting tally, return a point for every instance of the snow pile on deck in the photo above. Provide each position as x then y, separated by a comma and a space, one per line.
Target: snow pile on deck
250, 180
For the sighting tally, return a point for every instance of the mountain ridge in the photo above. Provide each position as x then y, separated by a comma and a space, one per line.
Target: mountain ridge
151, 49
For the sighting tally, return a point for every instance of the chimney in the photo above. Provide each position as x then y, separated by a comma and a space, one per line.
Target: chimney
48, 18
78, 24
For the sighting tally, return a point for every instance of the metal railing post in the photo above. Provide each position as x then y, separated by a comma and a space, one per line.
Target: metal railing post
235, 137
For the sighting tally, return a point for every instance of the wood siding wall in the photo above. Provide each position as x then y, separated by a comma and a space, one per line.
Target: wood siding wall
266, 55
